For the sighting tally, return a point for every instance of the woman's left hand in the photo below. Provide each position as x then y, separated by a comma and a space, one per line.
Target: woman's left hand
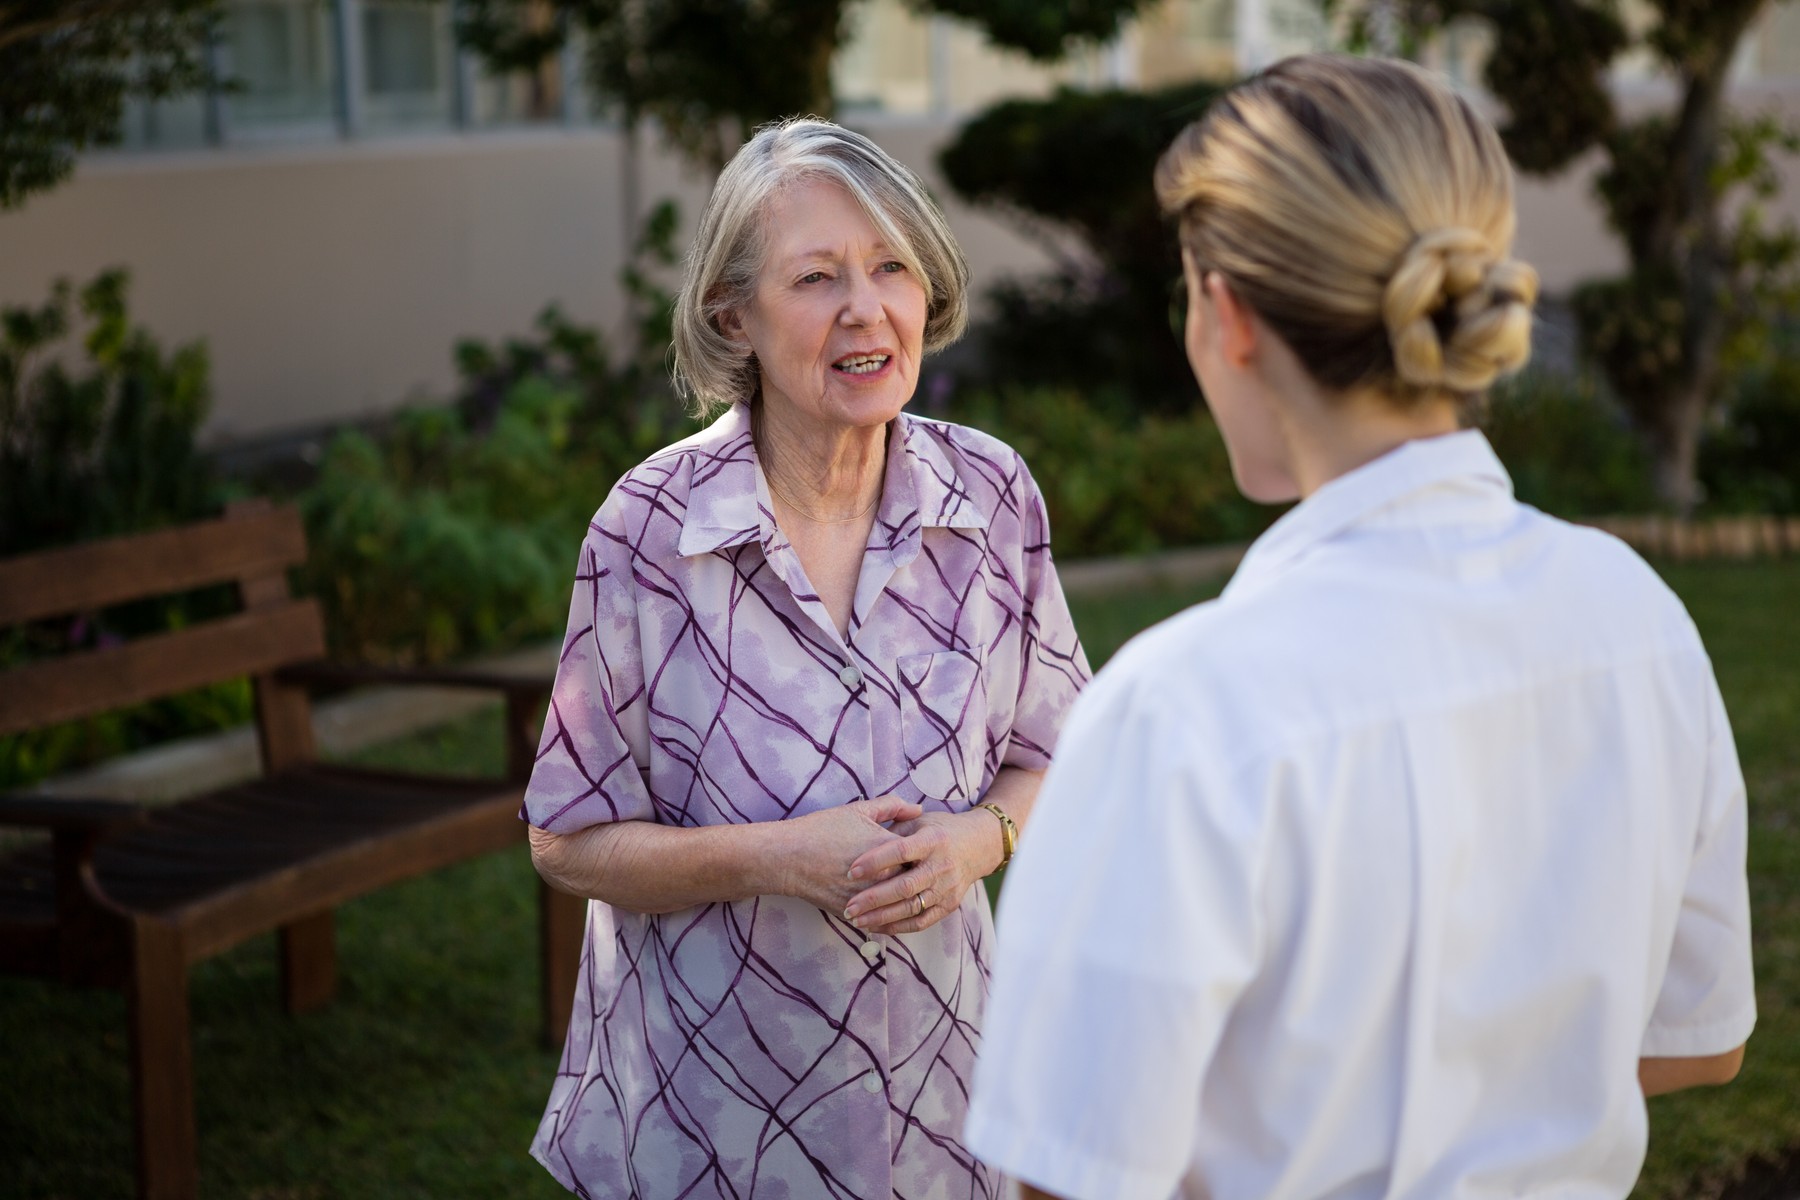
942, 855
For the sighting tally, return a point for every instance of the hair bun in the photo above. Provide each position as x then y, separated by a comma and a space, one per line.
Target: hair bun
1458, 315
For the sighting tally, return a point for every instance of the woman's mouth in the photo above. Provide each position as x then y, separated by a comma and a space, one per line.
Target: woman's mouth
862, 364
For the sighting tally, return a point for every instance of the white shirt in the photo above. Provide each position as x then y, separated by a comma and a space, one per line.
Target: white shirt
1376, 876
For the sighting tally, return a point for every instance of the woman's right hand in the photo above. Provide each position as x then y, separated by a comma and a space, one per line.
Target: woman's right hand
819, 848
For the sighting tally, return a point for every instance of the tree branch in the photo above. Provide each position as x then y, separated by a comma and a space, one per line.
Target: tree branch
67, 15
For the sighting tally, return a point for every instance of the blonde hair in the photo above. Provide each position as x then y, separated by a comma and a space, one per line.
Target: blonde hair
721, 271
1365, 212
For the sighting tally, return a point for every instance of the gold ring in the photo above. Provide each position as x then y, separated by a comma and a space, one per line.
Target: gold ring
920, 910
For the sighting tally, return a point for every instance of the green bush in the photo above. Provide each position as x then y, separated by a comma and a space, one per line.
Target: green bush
1570, 450
1080, 162
456, 531
1116, 482
443, 541
104, 450
98, 428
1750, 458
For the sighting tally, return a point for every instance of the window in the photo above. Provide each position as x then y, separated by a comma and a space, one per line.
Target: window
279, 55
408, 59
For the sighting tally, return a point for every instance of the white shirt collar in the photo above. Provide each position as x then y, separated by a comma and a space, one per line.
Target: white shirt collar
1352, 498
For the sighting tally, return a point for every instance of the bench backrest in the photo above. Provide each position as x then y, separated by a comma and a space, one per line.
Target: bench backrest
252, 547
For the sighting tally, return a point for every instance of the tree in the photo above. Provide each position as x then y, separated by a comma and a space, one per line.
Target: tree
1080, 162
1684, 189
711, 70
66, 67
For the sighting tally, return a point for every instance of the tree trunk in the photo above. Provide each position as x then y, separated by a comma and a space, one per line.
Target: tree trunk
1691, 239
1675, 448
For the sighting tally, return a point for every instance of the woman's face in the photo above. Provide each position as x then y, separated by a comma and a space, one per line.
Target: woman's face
1222, 339
836, 321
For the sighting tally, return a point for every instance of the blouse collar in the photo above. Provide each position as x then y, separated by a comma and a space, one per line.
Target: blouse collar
728, 500
1463, 459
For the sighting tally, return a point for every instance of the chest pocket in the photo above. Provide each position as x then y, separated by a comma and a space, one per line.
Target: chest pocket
943, 722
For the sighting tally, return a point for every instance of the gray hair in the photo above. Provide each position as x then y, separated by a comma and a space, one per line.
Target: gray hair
711, 370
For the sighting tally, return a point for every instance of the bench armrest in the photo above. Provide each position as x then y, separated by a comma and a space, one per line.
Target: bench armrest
324, 674
66, 812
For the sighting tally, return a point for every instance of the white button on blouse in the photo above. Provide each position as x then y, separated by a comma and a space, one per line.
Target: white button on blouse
850, 676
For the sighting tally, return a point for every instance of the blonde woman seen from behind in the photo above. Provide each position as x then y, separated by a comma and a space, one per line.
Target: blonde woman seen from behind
1411, 865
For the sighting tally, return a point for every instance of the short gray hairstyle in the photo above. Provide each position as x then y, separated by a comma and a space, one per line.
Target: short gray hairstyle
711, 370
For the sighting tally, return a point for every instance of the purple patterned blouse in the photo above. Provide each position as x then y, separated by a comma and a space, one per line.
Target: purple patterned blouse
761, 1048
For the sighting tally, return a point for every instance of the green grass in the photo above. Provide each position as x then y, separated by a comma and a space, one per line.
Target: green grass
1702, 1140
425, 1077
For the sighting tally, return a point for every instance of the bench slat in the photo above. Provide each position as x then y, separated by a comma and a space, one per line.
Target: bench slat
80, 685
94, 575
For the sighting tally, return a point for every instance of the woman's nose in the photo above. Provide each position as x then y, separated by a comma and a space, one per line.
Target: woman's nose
862, 303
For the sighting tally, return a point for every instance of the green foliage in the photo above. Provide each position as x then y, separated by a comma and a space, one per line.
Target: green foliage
1569, 449
1042, 31
443, 540
1116, 482
709, 71
1097, 328
1632, 328
97, 438
1750, 461
66, 67
457, 531
107, 450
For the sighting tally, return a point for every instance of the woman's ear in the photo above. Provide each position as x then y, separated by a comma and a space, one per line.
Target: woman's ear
1238, 328
732, 326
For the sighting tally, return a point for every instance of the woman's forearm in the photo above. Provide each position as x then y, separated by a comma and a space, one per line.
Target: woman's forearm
644, 867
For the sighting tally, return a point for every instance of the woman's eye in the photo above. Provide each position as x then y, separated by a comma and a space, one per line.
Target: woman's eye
891, 267
812, 277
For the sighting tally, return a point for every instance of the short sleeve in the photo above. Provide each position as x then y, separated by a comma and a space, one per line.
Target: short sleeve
1128, 930
1053, 667
595, 747
1707, 1003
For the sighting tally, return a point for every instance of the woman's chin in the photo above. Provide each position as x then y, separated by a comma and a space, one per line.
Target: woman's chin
865, 404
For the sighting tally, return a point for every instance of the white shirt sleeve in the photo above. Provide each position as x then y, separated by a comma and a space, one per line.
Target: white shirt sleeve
1127, 931
1707, 1003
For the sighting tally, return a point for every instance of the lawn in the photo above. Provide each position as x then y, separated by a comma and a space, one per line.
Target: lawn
425, 1078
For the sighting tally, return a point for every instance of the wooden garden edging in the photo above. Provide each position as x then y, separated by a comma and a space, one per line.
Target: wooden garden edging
1715, 538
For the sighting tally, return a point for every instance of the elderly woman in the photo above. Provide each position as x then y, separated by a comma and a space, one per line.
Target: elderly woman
817, 660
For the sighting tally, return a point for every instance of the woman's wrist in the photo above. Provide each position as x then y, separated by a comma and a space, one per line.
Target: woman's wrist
988, 839
766, 858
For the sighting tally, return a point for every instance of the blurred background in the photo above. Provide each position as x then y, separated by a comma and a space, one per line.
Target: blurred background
407, 264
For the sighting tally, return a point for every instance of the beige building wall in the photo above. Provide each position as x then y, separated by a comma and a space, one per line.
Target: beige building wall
330, 282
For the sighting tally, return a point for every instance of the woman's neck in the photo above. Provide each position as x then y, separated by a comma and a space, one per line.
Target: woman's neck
826, 474
1329, 434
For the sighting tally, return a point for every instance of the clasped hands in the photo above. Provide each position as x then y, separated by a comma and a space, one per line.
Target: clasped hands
888, 866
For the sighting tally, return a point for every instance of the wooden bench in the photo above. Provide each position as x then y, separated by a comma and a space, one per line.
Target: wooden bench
130, 897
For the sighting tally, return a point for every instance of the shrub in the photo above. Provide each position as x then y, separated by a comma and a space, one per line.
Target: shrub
103, 451
443, 540
1570, 449
97, 439
1750, 459
457, 530
1094, 327
1117, 482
